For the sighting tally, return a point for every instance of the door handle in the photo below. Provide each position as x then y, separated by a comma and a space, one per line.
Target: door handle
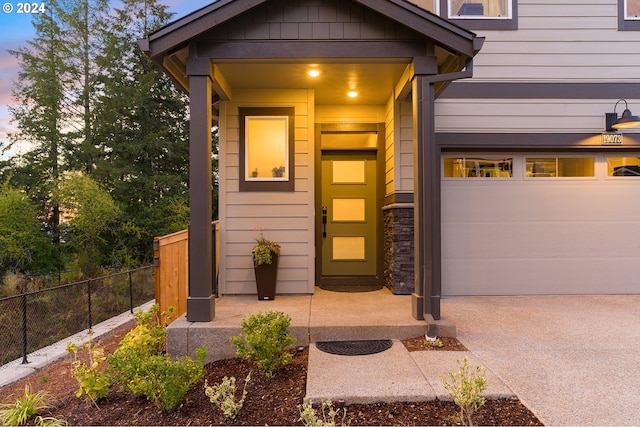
324, 222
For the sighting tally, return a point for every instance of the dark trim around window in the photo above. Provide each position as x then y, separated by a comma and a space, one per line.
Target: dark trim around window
265, 186
484, 24
626, 24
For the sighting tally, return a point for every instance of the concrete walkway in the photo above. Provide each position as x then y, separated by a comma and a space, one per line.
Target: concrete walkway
572, 360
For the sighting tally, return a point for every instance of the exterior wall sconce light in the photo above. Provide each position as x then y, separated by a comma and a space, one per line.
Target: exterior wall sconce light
627, 120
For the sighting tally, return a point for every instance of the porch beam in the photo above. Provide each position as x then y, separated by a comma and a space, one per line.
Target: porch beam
200, 302
299, 50
427, 227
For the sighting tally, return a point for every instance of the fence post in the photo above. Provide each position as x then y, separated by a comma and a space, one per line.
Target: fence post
130, 293
89, 303
24, 329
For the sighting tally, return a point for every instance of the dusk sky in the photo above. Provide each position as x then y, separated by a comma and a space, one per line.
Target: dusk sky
16, 29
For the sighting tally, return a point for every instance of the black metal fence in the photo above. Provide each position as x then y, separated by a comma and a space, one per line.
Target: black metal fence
33, 320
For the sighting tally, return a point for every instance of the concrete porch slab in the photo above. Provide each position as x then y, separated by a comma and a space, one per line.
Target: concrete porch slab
323, 316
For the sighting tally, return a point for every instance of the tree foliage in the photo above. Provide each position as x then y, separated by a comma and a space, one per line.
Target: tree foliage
88, 100
23, 244
143, 131
89, 211
41, 114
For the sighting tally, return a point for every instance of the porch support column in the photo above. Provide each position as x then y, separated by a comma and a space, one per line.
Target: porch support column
200, 302
427, 229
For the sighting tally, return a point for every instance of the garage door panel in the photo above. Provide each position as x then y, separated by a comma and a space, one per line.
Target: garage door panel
544, 202
538, 277
540, 240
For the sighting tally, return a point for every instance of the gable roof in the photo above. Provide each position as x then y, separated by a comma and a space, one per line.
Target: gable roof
373, 31
443, 32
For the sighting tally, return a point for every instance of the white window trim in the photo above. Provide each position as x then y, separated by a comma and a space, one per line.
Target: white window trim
483, 22
473, 17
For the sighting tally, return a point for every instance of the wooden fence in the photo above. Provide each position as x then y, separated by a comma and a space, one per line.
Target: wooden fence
171, 261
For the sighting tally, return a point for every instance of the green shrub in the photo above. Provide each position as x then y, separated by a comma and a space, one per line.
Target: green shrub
140, 366
327, 416
94, 382
223, 395
23, 409
147, 339
165, 381
465, 388
264, 340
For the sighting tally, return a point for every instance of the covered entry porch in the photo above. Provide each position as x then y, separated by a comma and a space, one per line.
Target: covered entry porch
241, 61
323, 316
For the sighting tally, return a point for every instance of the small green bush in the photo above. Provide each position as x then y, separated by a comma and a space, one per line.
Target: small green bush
264, 340
465, 388
165, 381
141, 367
93, 380
223, 395
147, 339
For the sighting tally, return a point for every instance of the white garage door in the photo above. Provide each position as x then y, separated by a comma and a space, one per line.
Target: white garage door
540, 224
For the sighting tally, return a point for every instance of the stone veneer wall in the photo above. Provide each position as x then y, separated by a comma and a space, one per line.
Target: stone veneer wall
398, 248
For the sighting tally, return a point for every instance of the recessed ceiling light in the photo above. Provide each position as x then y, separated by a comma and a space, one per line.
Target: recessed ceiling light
352, 94
314, 73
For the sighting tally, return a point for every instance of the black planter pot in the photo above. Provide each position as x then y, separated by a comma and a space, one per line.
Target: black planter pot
266, 278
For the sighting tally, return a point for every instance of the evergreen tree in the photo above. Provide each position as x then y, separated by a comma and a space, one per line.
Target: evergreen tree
40, 113
82, 22
143, 131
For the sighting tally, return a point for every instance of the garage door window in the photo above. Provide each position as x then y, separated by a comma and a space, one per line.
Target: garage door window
623, 166
559, 167
477, 167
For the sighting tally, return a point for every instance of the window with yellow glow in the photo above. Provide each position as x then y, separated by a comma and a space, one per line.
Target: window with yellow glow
266, 151
558, 167
623, 166
477, 167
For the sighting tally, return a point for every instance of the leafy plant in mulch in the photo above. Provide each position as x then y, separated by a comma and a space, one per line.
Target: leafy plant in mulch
223, 395
465, 387
141, 367
93, 380
264, 340
323, 416
25, 408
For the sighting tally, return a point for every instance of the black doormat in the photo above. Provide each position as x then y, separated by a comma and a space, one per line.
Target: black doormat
350, 288
354, 348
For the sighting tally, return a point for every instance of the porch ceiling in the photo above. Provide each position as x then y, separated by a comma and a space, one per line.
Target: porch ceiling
374, 81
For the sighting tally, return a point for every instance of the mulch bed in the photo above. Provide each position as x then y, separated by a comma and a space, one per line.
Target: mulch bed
269, 401
421, 344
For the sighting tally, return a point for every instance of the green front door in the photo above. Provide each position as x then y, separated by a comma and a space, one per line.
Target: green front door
349, 216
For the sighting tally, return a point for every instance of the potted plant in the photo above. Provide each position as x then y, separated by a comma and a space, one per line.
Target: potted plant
265, 264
